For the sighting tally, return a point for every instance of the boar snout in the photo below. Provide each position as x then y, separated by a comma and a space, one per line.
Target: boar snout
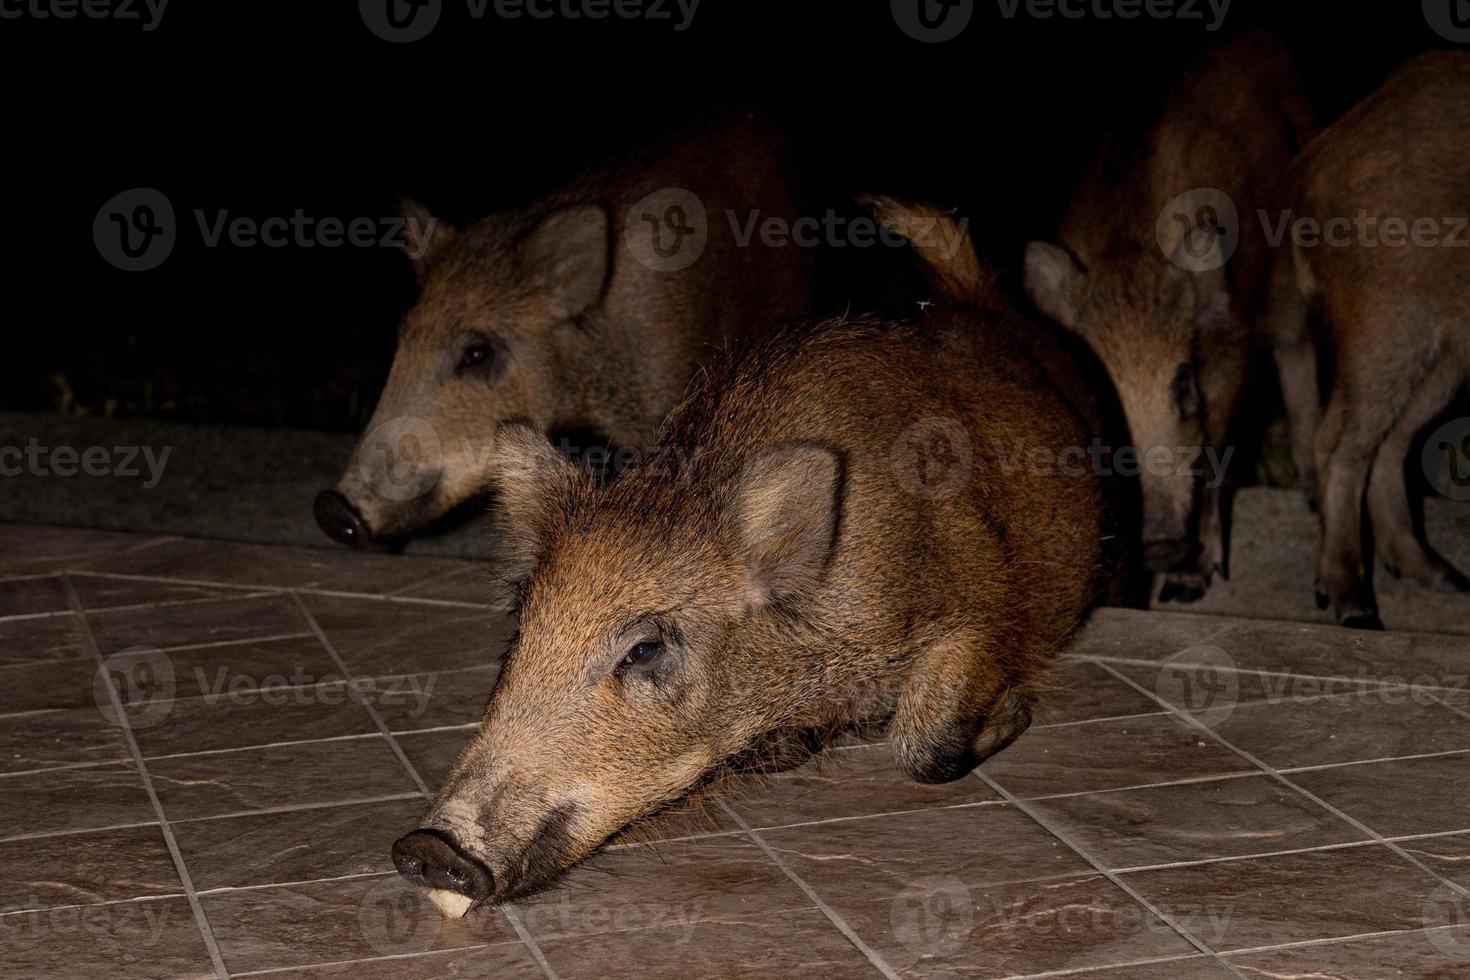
431, 859
341, 521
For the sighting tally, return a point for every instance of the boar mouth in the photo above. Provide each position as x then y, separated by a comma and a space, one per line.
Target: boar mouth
542, 860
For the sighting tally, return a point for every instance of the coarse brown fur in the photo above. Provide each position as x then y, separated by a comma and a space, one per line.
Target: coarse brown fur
1178, 337
804, 556
580, 333
1399, 315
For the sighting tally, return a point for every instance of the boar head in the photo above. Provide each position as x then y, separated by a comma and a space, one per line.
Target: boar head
498, 332
654, 652
1149, 319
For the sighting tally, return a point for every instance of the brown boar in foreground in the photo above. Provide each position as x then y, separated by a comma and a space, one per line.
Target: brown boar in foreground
827, 540
1141, 273
1398, 306
586, 311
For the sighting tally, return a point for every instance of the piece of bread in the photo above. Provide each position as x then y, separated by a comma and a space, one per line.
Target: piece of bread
453, 905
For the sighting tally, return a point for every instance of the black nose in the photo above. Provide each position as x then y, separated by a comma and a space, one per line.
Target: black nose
1160, 556
429, 858
341, 521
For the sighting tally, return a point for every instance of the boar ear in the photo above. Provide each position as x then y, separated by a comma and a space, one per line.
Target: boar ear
567, 256
1052, 277
783, 518
423, 234
530, 478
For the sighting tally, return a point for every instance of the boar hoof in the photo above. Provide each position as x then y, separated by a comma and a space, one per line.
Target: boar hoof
1182, 589
1354, 620
1448, 579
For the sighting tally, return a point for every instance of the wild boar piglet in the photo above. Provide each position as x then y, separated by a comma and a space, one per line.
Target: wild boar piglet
587, 311
1389, 188
840, 528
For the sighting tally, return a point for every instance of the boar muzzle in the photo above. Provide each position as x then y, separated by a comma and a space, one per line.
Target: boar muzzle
341, 521
429, 859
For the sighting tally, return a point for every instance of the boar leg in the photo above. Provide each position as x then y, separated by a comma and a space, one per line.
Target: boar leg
1367, 400
1295, 351
1403, 550
1190, 584
958, 707
1221, 382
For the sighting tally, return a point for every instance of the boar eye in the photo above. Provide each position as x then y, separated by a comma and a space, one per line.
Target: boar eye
641, 653
1185, 391
475, 355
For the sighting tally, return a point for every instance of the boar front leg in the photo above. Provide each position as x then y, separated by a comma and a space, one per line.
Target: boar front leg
1403, 550
959, 706
1190, 584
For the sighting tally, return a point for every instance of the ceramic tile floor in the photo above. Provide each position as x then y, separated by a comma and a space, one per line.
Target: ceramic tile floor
1200, 797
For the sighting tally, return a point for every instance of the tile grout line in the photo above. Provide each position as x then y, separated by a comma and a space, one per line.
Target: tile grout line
1083, 971
1336, 940
837, 921
350, 677
1111, 876
266, 691
200, 919
1269, 770
510, 914
390, 957
1358, 683
229, 815
1439, 699
283, 589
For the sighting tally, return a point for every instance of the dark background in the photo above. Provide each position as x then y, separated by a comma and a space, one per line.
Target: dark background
262, 109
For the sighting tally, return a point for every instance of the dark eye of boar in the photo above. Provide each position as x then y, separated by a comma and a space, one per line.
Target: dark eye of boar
640, 654
477, 354
1186, 391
